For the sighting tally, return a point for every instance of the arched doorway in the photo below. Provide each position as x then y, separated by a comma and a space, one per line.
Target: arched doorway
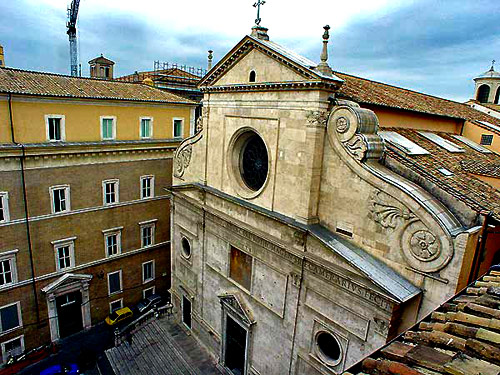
497, 96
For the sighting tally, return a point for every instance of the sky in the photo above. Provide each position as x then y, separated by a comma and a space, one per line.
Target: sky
432, 46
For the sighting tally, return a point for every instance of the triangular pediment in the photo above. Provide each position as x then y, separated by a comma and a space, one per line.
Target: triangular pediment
66, 279
271, 62
233, 303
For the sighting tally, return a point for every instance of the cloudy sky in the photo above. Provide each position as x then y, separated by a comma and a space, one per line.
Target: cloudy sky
433, 46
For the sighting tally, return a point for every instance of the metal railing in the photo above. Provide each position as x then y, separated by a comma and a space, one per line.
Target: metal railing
125, 333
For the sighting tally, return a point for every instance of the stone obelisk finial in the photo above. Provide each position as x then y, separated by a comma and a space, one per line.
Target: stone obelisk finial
323, 66
210, 57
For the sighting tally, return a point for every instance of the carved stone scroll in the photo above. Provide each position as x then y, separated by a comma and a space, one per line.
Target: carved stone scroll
356, 129
385, 213
182, 160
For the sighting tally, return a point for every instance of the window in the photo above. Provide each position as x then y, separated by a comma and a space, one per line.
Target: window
146, 130
252, 76
10, 317
178, 127
4, 206
148, 292
115, 282
110, 191
147, 186
64, 253
328, 348
115, 305
241, 268
60, 196
148, 271
55, 128
113, 241
483, 93
497, 97
12, 348
487, 139
8, 269
186, 248
108, 127
147, 232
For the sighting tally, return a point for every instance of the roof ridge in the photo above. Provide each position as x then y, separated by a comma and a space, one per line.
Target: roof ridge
402, 88
67, 76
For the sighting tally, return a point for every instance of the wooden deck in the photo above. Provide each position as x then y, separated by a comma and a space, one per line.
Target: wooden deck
161, 348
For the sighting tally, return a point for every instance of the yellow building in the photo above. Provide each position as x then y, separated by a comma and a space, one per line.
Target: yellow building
84, 219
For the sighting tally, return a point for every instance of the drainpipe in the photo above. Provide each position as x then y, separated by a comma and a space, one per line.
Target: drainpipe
26, 211
298, 304
481, 244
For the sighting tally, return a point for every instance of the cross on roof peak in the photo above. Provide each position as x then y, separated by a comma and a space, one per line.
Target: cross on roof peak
257, 5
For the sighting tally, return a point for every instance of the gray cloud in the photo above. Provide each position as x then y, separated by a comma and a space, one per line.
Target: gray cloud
431, 46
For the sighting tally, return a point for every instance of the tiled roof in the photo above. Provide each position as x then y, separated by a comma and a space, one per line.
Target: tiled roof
469, 189
461, 337
362, 90
24, 82
482, 167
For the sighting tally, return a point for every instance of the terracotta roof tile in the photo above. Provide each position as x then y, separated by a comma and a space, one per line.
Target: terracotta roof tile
466, 343
17, 81
362, 90
462, 185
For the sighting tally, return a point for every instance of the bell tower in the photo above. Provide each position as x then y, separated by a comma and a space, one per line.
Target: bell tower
488, 86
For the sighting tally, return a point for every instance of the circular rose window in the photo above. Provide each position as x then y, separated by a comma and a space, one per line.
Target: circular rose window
186, 247
254, 162
328, 348
248, 163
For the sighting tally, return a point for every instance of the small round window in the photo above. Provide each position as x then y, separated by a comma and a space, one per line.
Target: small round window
328, 348
254, 162
186, 247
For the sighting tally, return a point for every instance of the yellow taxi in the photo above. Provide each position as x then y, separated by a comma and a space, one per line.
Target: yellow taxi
118, 316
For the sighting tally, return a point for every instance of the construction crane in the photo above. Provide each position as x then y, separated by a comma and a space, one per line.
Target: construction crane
71, 25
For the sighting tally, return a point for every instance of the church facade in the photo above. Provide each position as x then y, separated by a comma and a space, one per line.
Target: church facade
294, 250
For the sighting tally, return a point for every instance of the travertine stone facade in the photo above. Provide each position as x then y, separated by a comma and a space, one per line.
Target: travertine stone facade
339, 246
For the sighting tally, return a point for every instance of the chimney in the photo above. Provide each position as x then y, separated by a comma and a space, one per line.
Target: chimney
210, 57
260, 32
2, 56
323, 66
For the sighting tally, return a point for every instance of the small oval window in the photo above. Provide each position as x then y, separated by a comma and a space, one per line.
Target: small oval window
186, 247
328, 348
252, 76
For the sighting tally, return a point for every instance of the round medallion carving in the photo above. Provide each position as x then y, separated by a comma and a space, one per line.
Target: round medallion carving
423, 249
342, 124
424, 246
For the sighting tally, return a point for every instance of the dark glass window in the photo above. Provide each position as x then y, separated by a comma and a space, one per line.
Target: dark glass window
483, 93
9, 318
186, 247
54, 129
254, 162
241, 268
252, 76
486, 139
114, 282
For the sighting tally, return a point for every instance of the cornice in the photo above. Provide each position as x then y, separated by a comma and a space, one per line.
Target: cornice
274, 86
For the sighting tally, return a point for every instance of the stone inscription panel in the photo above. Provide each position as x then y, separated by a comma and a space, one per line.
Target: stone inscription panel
343, 316
269, 287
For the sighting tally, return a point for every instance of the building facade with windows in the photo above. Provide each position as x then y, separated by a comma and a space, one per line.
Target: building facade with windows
316, 215
84, 222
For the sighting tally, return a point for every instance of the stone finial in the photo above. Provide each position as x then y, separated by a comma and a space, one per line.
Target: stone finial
210, 57
323, 66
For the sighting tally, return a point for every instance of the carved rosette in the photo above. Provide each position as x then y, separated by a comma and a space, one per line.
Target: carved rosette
317, 118
356, 129
182, 159
422, 249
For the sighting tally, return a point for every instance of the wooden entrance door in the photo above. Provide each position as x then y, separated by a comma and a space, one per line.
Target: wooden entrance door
69, 313
236, 345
